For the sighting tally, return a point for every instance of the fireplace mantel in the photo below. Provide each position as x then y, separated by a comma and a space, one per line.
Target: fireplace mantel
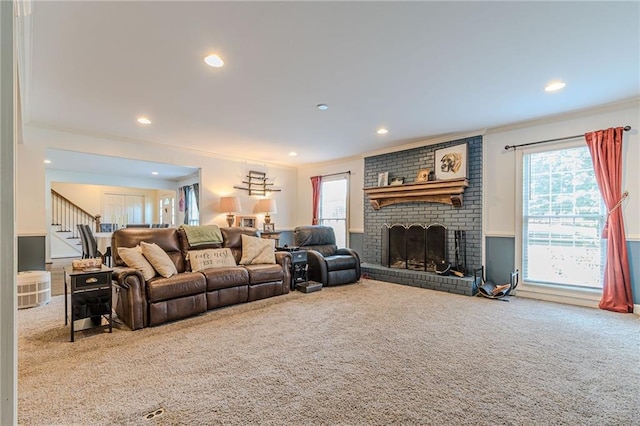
439, 191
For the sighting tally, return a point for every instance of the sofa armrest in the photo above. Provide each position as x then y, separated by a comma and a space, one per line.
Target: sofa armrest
284, 259
351, 252
317, 267
132, 301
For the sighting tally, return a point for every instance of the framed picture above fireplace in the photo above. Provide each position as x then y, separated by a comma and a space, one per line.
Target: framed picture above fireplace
451, 162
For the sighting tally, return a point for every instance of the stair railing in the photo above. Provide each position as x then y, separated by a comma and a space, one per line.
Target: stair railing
68, 215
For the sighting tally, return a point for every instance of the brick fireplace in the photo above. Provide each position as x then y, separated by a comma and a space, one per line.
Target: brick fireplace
466, 216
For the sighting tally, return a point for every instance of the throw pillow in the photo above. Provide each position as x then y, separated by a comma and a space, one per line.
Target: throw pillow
133, 257
159, 259
257, 250
211, 258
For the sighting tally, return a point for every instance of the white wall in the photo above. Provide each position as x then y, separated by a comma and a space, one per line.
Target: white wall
305, 192
30, 191
500, 165
90, 197
218, 176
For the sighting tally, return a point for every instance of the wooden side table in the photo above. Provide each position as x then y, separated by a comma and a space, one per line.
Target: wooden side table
87, 294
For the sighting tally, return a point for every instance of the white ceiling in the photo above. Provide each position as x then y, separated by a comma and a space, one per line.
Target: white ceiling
418, 68
105, 165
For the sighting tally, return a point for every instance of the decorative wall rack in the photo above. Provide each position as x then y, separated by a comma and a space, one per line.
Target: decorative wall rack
257, 184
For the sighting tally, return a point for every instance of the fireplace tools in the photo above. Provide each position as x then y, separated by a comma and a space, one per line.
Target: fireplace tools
460, 239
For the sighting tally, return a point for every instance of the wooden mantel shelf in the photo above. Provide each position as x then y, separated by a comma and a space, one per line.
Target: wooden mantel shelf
439, 191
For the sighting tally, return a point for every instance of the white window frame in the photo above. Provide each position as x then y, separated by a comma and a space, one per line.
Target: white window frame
556, 293
321, 220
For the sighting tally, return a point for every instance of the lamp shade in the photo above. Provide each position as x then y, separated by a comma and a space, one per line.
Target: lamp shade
229, 205
266, 205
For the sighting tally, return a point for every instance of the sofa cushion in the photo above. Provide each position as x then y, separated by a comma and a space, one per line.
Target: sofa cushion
160, 260
256, 250
180, 285
226, 277
134, 258
232, 238
326, 250
210, 258
264, 273
314, 235
166, 238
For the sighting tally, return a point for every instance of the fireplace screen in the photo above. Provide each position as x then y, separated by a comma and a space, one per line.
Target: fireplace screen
414, 247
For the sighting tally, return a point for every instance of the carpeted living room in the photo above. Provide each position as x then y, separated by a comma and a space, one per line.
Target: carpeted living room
364, 353
320, 213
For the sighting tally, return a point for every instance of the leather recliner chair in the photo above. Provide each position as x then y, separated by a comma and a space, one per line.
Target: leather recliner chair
327, 263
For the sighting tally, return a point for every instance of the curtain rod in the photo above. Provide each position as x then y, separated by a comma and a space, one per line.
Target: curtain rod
507, 147
336, 174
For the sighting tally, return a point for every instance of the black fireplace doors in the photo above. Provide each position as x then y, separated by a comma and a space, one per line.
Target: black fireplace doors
415, 247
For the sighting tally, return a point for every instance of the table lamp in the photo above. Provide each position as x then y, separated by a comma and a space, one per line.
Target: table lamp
266, 206
229, 205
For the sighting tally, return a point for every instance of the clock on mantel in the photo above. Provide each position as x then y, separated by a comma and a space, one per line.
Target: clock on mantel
439, 191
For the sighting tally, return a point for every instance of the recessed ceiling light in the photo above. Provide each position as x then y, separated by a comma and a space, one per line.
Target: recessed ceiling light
214, 61
154, 173
47, 161
293, 154
144, 120
554, 85
322, 107
382, 131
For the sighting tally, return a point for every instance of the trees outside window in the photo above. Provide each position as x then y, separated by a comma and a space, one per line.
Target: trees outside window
334, 206
563, 217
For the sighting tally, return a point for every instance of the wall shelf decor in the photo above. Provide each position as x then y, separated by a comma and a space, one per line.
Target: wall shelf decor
257, 184
444, 191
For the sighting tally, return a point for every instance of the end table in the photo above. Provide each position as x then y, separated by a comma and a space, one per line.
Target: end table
87, 294
298, 265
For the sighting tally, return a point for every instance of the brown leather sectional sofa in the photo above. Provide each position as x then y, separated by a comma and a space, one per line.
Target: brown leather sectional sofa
159, 300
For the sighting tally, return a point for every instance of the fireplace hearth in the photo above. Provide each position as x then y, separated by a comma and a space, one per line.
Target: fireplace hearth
416, 247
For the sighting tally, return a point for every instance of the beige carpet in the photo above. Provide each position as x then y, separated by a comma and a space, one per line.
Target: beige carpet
363, 354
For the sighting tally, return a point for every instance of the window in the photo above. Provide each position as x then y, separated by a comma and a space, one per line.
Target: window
194, 212
334, 204
167, 209
563, 217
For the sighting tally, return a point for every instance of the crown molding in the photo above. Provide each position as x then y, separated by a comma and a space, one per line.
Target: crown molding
580, 113
447, 137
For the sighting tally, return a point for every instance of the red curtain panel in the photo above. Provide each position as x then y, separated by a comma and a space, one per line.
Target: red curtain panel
606, 153
315, 183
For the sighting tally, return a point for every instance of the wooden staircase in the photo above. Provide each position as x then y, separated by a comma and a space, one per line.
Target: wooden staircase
65, 216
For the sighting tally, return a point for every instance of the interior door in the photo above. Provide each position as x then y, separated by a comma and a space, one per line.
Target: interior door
113, 210
123, 209
134, 208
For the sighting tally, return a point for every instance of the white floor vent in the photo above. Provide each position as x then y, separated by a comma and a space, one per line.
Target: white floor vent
34, 288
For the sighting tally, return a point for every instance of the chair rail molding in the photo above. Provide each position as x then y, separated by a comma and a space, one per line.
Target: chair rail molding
440, 191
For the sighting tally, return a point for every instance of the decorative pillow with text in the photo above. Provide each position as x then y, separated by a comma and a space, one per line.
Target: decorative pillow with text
211, 258
257, 250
